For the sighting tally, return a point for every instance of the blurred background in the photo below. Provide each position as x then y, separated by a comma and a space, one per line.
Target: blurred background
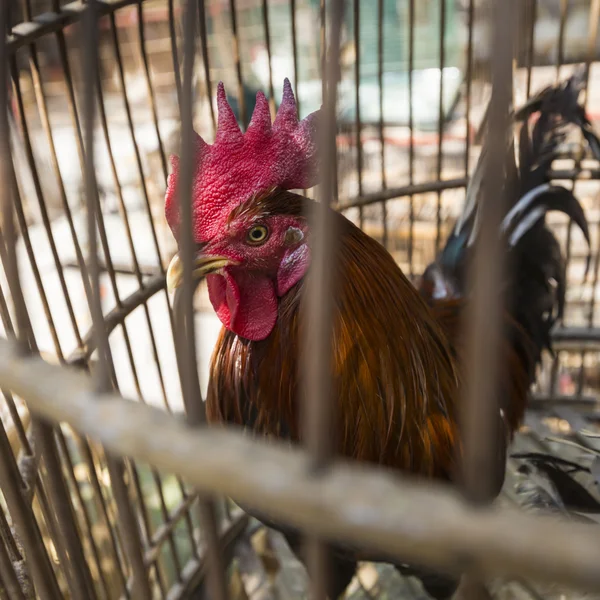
418, 79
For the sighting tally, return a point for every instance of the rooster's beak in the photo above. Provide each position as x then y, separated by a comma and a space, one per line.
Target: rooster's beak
203, 265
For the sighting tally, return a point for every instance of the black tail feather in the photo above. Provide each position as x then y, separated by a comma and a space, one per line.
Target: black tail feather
537, 284
534, 205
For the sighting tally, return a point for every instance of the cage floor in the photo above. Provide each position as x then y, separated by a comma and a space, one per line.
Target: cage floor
264, 568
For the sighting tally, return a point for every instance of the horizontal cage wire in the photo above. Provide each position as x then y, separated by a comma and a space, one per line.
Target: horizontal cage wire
106, 498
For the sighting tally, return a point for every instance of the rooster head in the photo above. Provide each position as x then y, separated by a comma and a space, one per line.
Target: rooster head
251, 252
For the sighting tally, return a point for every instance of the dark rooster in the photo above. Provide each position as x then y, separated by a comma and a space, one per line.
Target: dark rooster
396, 373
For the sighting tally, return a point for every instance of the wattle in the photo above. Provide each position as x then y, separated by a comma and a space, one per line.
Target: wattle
245, 303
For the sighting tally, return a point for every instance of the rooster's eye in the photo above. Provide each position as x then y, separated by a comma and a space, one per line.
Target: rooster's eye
257, 235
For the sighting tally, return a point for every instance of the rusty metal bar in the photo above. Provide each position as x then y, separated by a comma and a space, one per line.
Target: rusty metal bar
206, 60
267, 32
357, 120
318, 410
90, 66
174, 51
594, 17
118, 269
64, 61
595, 278
585, 335
6, 197
532, 10
468, 91
381, 124
591, 49
555, 363
149, 86
295, 51
560, 56
440, 140
317, 417
578, 174
191, 386
399, 517
411, 146
141, 586
130, 537
484, 325
409, 190
322, 36
238, 63
542, 401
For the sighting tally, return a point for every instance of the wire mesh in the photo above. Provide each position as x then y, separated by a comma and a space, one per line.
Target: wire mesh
94, 96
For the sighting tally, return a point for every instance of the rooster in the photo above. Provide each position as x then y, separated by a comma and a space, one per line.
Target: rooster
396, 365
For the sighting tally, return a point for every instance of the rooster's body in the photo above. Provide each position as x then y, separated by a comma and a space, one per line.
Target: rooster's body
416, 377
396, 352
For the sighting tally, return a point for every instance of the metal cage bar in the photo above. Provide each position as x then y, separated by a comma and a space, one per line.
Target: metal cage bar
191, 383
319, 408
41, 488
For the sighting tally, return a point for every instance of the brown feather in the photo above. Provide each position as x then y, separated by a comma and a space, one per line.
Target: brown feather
396, 381
517, 362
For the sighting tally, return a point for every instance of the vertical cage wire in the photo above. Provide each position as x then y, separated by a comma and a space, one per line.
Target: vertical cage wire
381, 126
238, 62
151, 539
191, 383
411, 142
440, 136
267, 32
319, 405
484, 325
357, 120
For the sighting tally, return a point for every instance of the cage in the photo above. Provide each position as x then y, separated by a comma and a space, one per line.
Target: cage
106, 498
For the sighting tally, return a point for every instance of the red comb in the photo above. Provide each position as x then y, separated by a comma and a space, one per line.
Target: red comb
239, 165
